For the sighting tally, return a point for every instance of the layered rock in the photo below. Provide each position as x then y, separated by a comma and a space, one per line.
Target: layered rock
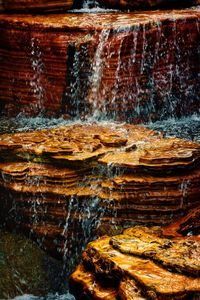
47, 69
141, 263
34, 5
85, 179
141, 4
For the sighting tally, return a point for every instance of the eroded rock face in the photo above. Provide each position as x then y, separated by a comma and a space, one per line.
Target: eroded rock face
127, 66
31, 5
87, 179
130, 266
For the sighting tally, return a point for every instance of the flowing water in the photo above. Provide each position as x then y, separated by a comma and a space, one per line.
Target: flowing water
98, 111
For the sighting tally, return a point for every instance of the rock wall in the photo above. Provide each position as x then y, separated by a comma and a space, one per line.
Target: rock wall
128, 66
34, 5
53, 5
142, 4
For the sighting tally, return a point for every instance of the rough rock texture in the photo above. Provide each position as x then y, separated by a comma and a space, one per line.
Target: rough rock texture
66, 182
130, 261
47, 69
34, 5
26, 269
141, 4
181, 255
82, 281
188, 225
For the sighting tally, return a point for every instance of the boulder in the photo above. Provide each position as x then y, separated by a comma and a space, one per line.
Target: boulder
79, 180
131, 264
127, 66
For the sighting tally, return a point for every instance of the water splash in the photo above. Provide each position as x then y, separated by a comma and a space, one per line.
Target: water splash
92, 6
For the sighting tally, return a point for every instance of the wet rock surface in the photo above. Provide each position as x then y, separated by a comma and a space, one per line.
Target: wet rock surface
25, 269
129, 265
80, 180
141, 4
45, 68
34, 6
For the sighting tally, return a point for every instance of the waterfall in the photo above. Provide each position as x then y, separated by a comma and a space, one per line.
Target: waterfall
91, 65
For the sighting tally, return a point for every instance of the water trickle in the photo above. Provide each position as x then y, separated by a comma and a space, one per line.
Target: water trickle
38, 69
184, 189
98, 106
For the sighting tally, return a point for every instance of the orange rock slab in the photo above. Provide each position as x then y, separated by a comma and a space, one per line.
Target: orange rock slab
138, 274
104, 177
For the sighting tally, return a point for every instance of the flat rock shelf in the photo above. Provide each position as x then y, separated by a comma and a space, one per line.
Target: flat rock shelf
84, 179
80, 65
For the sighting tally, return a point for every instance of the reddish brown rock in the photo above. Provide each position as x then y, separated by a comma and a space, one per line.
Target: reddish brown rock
45, 68
135, 4
35, 5
187, 225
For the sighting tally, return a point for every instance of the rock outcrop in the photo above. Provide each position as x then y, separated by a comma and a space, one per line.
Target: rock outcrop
84, 179
141, 263
47, 69
34, 5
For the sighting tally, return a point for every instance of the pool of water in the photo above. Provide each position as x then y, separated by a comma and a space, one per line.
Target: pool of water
185, 128
27, 270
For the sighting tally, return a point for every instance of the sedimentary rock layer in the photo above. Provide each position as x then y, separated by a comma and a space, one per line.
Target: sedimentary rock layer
122, 65
129, 264
141, 4
79, 178
34, 5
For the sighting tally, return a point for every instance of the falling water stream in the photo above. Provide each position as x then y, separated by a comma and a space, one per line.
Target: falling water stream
185, 127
